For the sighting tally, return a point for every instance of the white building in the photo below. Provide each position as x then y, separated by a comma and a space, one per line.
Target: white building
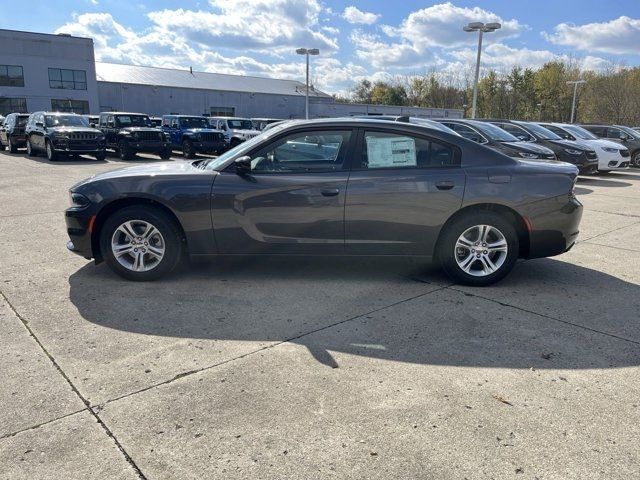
46, 72
58, 72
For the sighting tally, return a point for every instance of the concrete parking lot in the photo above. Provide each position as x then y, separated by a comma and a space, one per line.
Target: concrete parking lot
311, 369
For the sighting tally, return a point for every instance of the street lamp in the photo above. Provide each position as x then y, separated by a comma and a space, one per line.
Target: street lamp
307, 52
575, 84
480, 28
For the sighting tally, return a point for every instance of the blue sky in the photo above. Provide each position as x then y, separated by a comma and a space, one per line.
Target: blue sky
357, 39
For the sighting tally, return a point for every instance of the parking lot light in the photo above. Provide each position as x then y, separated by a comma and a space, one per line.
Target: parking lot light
481, 28
575, 84
307, 52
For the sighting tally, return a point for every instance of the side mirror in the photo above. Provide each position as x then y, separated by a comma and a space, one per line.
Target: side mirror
243, 165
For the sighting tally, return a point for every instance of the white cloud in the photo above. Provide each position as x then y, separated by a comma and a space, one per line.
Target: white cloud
380, 54
619, 36
352, 15
499, 55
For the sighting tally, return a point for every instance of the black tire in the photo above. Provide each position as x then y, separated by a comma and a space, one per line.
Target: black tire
31, 152
1, 146
162, 222
165, 154
124, 151
12, 147
101, 156
50, 151
448, 251
187, 149
635, 159
234, 143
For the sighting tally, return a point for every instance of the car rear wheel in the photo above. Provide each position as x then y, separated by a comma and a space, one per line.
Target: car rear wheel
30, 151
140, 243
12, 147
187, 149
479, 248
101, 156
51, 152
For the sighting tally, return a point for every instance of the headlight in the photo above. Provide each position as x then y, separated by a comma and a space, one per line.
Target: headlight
528, 155
572, 151
78, 200
125, 133
610, 149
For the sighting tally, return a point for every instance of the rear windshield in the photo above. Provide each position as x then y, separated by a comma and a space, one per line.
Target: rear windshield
194, 122
494, 133
21, 121
65, 121
132, 121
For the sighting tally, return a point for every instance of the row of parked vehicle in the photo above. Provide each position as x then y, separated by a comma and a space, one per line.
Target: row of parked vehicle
59, 134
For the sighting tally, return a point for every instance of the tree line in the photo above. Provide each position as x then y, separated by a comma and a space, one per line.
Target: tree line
611, 95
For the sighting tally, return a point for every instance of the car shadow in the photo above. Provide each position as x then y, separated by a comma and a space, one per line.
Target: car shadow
280, 299
81, 160
626, 175
583, 191
599, 182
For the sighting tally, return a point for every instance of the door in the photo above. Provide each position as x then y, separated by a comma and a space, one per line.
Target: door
402, 189
291, 201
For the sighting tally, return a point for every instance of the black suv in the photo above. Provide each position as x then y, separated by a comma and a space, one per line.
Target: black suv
12, 131
130, 133
629, 137
57, 134
578, 153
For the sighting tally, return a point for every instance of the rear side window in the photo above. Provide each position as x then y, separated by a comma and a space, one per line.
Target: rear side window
615, 133
391, 150
599, 131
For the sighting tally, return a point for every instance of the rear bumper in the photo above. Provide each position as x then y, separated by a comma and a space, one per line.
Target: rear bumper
554, 225
19, 140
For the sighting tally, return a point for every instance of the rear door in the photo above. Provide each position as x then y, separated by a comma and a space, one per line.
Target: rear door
402, 189
292, 200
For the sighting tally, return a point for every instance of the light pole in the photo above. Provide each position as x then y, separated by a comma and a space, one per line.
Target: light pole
307, 52
539, 105
480, 28
575, 84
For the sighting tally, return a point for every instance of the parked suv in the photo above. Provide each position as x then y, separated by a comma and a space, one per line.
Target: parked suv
192, 134
130, 133
12, 132
57, 134
628, 137
579, 154
497, 139
611, 155
235, 130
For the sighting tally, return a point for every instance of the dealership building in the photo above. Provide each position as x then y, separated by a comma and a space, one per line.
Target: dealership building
59, 72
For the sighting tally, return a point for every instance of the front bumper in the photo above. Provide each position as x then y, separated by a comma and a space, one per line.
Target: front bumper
149, 147
588, 167
555, 225
79, 224
205, 147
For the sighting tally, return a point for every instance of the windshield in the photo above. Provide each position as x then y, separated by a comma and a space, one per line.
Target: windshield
65, 121
494, 133
632, 133
132, 120
541, 132
240, 124
194, 122
580, 132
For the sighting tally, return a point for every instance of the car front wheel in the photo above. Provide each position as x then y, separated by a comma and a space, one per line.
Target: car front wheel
140, 243
187, 149
636, 159
51, 152
478, 249
30, 151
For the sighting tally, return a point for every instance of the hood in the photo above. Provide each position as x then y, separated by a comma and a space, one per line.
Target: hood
250, 131
139, 129
601, 142
201, 130
529, 147
153, 169
578, 145
63, 129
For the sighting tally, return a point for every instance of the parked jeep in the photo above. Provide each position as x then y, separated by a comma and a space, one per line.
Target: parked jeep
192, 135
130, 133
60, 134
235, 130
12, 132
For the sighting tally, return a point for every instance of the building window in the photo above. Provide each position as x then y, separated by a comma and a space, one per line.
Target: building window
70, 106
13, 105
67, 79
223, 111
11, 76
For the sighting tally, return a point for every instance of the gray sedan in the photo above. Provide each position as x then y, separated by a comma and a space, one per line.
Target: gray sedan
332, 187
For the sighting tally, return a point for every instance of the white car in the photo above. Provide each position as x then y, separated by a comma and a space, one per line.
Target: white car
236, 130
611, 155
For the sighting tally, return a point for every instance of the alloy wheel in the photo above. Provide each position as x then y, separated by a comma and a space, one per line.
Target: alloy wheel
138, 245
481, 250
636, 159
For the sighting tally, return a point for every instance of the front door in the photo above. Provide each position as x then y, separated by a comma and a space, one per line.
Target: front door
402, 189
292, 201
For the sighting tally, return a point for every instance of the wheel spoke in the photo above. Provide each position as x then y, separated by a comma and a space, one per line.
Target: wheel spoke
155, 252
119, 250
127, 229
499, 246
467, 262
487, 265
464, 243
149, 231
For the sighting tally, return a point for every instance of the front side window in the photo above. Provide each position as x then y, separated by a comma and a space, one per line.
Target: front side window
240, 124
542, 132
518, 132
67, 79
560, 132
391, 150
615, 133
469, 133
316, 151
11, 76
132, 120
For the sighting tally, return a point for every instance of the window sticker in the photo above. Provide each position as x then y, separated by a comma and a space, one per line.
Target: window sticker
385, 152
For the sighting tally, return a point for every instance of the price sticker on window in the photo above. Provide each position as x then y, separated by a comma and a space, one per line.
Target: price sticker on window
386, 152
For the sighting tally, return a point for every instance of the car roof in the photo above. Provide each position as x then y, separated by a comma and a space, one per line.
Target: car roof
183, 116
123, 113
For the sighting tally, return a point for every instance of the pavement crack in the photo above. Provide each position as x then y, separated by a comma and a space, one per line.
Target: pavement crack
86, 402
33, 427
610, 231
566, 322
